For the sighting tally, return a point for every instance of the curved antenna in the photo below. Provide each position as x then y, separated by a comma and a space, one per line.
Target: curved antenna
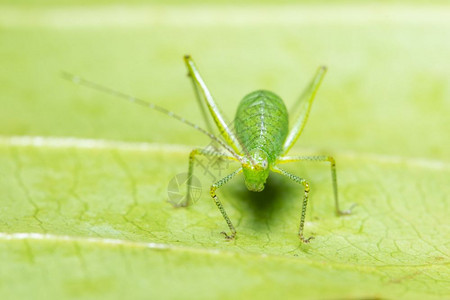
98, 87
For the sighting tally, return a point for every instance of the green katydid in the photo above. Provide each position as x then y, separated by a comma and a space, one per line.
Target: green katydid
260, 140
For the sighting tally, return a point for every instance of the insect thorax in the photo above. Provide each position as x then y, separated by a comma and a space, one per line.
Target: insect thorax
256, 169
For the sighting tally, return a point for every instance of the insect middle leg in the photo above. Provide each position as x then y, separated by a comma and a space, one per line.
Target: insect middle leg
322, 158
192, 156
304, 203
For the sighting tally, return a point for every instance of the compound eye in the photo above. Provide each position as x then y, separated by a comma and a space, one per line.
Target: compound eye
264, 164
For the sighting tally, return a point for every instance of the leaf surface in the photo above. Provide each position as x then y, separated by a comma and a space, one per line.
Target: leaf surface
84, 177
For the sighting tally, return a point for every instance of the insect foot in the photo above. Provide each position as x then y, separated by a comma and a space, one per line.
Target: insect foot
183, 204
306, 241
348, 211
229, 237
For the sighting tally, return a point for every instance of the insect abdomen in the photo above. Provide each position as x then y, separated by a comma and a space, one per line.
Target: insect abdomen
262, 122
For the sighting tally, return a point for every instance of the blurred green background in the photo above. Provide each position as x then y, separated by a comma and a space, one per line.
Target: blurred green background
382, 110
388, 70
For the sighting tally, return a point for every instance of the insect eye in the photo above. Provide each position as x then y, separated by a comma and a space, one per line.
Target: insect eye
264, 164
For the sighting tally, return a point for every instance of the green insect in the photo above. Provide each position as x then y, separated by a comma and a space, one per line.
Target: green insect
260, 140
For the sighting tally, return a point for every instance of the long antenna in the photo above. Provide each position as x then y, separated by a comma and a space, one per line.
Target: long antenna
98, 87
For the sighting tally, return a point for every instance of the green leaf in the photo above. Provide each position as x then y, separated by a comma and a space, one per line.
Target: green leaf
84, 209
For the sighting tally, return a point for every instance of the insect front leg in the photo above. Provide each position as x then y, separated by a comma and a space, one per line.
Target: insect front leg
192, 156
213, 189
322, 158
304, 203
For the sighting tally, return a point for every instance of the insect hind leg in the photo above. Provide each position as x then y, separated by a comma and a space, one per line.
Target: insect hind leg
322, 158
200, 88
200, 100
301, 109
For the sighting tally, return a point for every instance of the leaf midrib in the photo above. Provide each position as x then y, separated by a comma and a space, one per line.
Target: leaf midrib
167, 247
